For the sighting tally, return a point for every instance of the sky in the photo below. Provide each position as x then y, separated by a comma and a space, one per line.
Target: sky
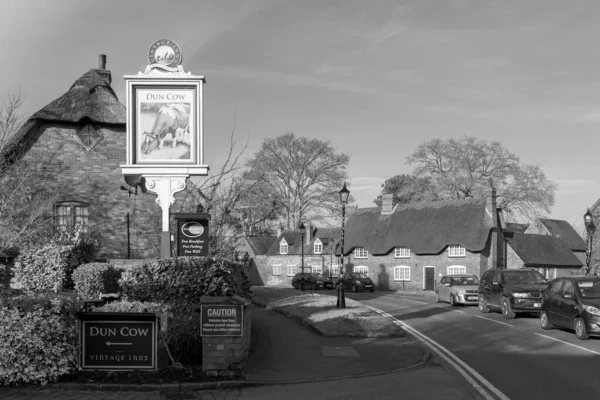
375, 78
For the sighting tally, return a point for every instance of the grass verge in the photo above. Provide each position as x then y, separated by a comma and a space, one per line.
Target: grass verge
319, 311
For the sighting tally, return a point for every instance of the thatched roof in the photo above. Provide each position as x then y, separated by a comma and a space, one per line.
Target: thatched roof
425, 228
543, 251
563, 230
90, 98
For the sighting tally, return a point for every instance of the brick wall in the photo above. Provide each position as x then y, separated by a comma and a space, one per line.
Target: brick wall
265, 265
381, 268
95, 177
227, 355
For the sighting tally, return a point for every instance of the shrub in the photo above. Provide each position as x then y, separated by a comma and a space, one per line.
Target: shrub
38, 339
93, 279
181, 281
49, 267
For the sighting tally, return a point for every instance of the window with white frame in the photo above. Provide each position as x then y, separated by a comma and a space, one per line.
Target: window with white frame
277, 270
72, 214
361, 252
362, 270
402, 252
457, 270
402, 273
291, 270
283, 247
318, 247
456, 250
317, 268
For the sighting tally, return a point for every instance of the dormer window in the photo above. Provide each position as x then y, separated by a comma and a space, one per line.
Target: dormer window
318, 247
283, 247
361, 252
456, 250
402, 252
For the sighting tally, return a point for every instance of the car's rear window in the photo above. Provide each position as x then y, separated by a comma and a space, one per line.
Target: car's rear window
590, 289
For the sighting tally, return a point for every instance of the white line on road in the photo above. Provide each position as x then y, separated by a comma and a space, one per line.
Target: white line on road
570, 344
415, 301
493, 320
448, 308
450, 358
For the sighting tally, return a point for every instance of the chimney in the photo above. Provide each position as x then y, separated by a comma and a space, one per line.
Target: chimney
102, 61
387, 204
309, 232
491, 211
280, 229
490, 205
101, 70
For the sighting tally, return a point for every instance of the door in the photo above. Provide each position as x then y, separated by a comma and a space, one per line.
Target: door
442, 289
567, 308
429, 278
496, 288
552, 297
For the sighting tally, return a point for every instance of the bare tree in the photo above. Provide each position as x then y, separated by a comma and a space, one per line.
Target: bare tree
303, 175
461, 168
236, 205
26, 209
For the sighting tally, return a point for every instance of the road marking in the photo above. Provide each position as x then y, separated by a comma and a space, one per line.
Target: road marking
570, 344
450, 358
415, 301
451, 309
493, 320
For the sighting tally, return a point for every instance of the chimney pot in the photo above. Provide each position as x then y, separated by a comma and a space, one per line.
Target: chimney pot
102, 61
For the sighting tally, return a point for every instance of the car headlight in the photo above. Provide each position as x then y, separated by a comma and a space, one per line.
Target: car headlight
592, 310
461, 292
358, 282
520, 295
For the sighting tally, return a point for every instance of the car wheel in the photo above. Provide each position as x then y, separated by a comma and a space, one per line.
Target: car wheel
483, 307
354, 288
372, 290
544, 321
452, 301
295, 285
507, 311
437, 297
313, 286
580, 330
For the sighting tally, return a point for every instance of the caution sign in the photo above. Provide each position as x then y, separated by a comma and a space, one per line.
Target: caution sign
221, 320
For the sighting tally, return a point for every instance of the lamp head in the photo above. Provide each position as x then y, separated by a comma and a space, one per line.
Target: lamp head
588, 219
302, 228
344, 193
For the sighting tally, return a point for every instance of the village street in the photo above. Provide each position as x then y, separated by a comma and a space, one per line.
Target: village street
516, 356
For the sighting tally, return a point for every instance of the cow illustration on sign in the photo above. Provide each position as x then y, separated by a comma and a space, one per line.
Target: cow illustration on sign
166, 131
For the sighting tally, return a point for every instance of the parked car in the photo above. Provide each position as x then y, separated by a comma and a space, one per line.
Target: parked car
457, 289
312, 281
511, 290
356, 281
573, 302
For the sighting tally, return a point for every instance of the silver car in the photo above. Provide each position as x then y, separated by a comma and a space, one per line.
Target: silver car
457, 289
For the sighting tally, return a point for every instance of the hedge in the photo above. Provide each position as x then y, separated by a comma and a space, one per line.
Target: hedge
38, 338
182, 281
93, 279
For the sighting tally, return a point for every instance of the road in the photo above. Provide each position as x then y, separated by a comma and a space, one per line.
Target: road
516, 356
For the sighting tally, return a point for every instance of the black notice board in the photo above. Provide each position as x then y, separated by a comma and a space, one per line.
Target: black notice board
118, 341
192, 234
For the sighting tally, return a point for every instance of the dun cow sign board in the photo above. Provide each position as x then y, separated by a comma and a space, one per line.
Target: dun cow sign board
118, 341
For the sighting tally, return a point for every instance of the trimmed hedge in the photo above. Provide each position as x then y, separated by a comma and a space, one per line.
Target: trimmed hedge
93, 279
48, 268
182, 281
38, 339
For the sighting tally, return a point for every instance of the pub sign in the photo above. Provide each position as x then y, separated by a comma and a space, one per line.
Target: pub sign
192, 234
118, 341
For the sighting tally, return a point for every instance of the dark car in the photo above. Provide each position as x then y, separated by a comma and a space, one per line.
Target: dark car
312, 281
573, 302
511, 290
356, 281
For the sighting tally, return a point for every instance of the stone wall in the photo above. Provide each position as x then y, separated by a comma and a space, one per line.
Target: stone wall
227, 355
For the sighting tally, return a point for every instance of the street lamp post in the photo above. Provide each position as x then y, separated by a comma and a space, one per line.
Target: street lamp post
302, 231
590, 229
341, 299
